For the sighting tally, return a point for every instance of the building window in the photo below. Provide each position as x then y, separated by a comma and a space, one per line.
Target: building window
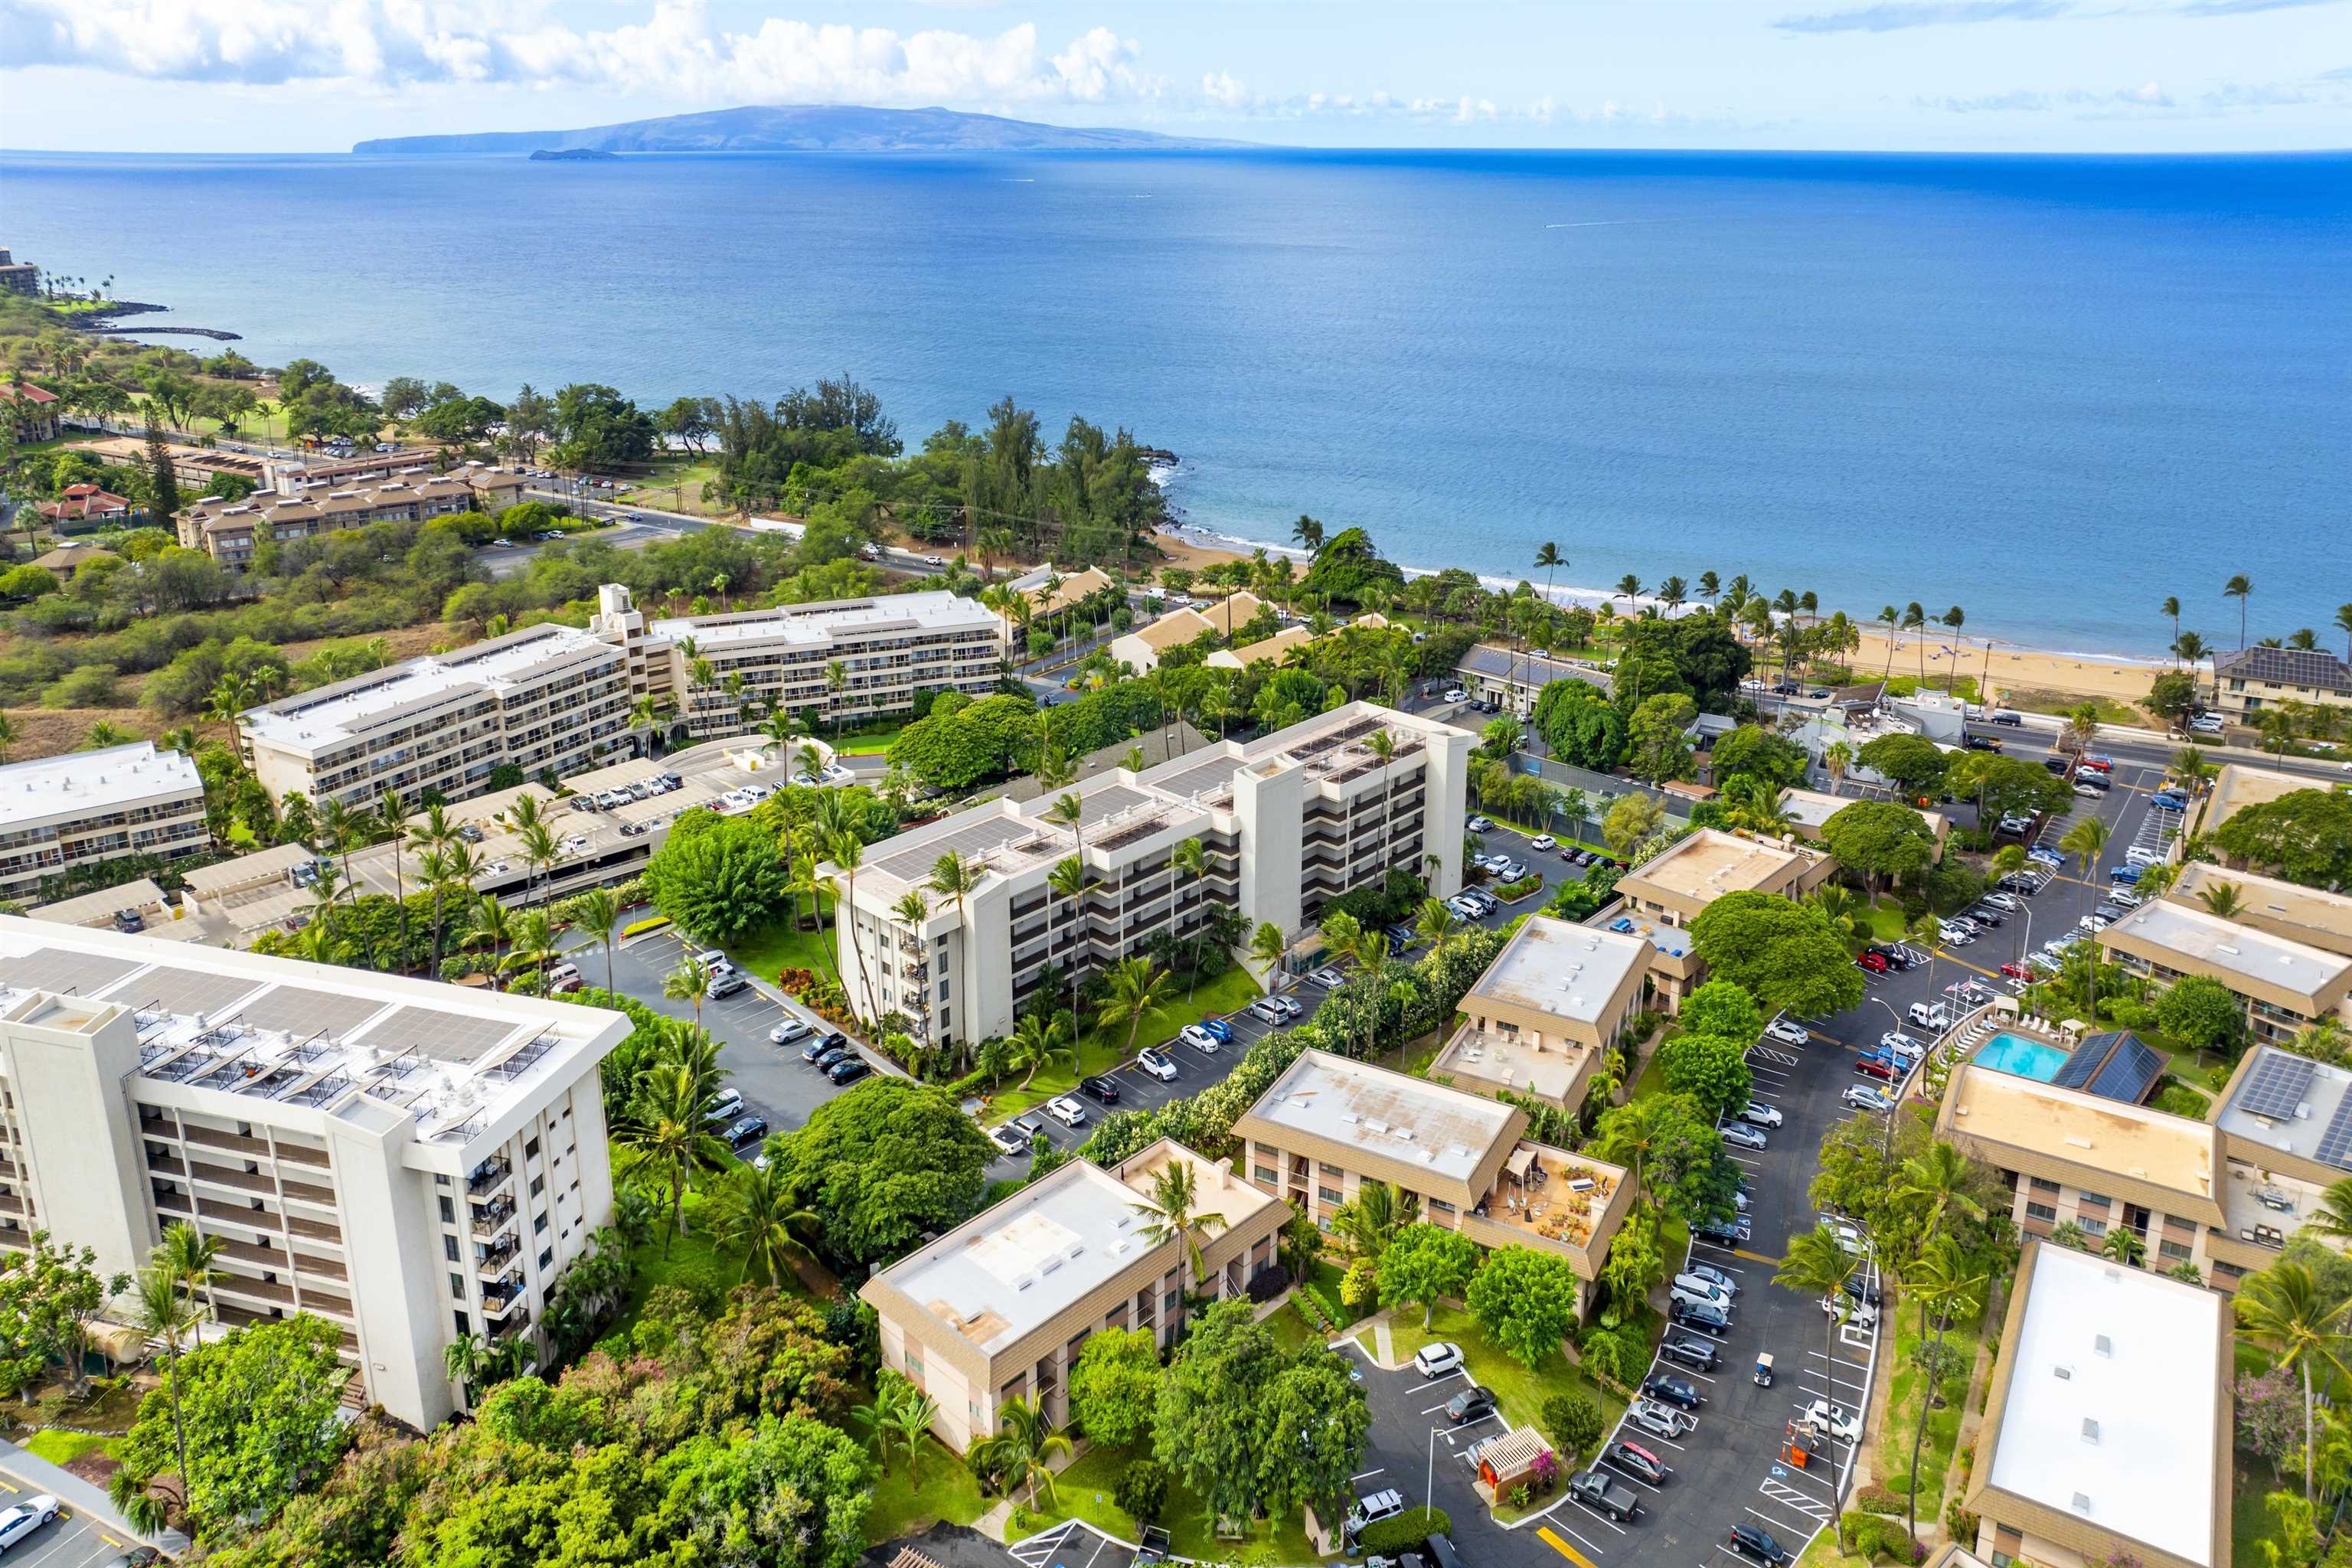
1331, 1194
448, 1212
449, 1248
531, 1150
464, 1328
2092, 1224
539, 1223
2042, 1186
545, 1258
1328, 1168
1265, 1173
2172, 1252
1440, 1205
457, 1286
2042, 1212
538, 1185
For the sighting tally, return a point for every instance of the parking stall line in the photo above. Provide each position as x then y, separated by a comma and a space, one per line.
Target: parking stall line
1805, 1530
1586, 1508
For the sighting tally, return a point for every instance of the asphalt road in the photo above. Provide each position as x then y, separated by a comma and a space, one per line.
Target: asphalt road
75, 1540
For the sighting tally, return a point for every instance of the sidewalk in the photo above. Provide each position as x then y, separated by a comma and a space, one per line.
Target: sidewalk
86, 1500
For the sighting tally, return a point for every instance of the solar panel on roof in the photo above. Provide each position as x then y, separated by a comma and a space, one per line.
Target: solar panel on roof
54, 969
2276, 1085
2127, 1072
2336, 1144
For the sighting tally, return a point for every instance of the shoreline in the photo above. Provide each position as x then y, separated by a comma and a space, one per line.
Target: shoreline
2009, 665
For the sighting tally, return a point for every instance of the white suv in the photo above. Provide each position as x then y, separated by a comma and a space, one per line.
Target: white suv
1786, 1030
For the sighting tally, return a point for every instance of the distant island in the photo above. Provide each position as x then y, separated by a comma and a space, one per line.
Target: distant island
800, 128
573, 155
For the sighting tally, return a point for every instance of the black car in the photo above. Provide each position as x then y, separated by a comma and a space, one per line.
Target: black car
1099, 1089
1472, 1404
1985, 916
1755, 1540
1980, 743
813, 1052
1862, 1289
1636, 1460
2055, 765
749, 1130
2109, 911
1699, 1315
1723, 1232
1700, 1355
128, 919
831, 1057
836, 1038
1895, 957
848, 1070
1672, 1390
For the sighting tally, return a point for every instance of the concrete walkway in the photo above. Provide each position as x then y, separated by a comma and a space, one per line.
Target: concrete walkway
84, 1500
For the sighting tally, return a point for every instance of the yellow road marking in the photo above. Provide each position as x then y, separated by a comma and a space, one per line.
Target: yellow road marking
1543, 1533
1964, 963
1754, 1257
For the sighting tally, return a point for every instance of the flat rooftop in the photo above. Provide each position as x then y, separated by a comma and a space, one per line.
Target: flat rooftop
1390, 1115
264, 1030
2112, 1400
2238, 786
84, 784
2292, 1104
2205, 942
1564, 969
2147, 1146
814, 624
1709, 864
336, 713
2309, 915
1527, 667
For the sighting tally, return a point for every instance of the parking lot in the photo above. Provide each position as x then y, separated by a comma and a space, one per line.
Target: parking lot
75, 1540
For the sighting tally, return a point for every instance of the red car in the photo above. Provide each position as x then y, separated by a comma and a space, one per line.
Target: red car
1871, 961
2017, 971
2097, 763
1877, 1067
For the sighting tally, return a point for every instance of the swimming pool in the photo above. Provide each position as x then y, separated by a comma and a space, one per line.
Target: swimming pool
2026, 1058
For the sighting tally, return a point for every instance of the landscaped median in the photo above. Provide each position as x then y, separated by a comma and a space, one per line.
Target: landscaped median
1102, 1050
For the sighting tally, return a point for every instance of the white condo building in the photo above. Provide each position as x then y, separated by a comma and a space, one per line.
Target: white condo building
1288, 822
546, 696
56, 813
413, 1162
889, 648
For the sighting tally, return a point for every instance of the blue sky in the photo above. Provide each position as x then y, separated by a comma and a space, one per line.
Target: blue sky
1957, 75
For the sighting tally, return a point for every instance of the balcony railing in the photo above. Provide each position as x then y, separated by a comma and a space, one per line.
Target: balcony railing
490, 1259
488, 1176
494, 1217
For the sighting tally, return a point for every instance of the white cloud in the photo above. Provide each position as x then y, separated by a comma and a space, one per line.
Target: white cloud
676, 50
1219, 88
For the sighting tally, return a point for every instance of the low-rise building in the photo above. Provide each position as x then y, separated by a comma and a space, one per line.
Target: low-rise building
1286, 822
2286, 1124
230, 530
1000, 1308
1275, 649
1537, 1022
57, 813
2252, 679
32, 410
18, 276
2107, 1431
2312, 916
839, 661
1809, 811
87, 506
193, 466
2237, 786
1051, 591
1140, 649
1660, 898
546, 697
2282, 985
1329, 1124
1517, 677
411, 1162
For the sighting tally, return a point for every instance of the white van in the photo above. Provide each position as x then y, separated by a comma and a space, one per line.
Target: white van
1931, 1016
564, 978
2136, 856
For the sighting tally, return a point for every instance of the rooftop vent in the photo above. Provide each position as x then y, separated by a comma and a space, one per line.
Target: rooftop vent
2062, 1373
2090, 1429
2105, 1346
2082, 1502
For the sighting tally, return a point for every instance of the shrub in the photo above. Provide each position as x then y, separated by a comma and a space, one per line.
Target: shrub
1876, 1499
639, 928
1142, 1490
1867, 1535
1960, 1522
1405, 1532
1511, 892
2178, 1098
1574, 1421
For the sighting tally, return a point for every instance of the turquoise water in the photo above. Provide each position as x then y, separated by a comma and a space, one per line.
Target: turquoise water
2026, 1058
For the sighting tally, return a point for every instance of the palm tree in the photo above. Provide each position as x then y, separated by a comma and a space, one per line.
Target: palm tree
1039, 1038
1309, 533
2223, 898
1629, 588
666, 1124
837, 680
1170, 1213
2126, 1246
161, 1311
1026, 1441
2278, 731
2170, 609
1436, 924
1068, 881
2283, 1311
1818, 1263
393, 813
847, 852
535, 941
597, 909
1940, 1281
1370, 1220
1383, 745
689, 982
1837, 756
2241, 588
2088, 840
1191, 858
909, 1421
1671, 593
2342, 622
1942, 1178
1551, 560
191, 1257
1137, 990
754, 1210
955, 878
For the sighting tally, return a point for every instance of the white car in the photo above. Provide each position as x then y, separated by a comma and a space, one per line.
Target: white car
1862, 1097
1463, 908
1329, 978
1157, 1064
1510, 871
1760, 1114
1199, 1039
1786, 1030
1741, 1135
1697, 1292
2001, 901
791, 1029
2123, 897
1833, 1419
1455, 694
1437, 1360
26, 1517
1862, 1314
1266, 1010
1896, 1043
2093, 922
1543, 841
1478, 824
1849, 1236
1008, 1141
1067, 1111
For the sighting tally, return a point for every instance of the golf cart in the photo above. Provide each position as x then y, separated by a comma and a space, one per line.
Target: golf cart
1763, 1368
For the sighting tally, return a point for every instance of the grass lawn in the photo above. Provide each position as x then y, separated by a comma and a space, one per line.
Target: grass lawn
2252, 1521
780, 945
948, 1494
1290, 1326
64, 1447
2033, 700
1521, 1392
1085, 1491
1886, 922
1906, 1389
1100, 1050
1654, 1079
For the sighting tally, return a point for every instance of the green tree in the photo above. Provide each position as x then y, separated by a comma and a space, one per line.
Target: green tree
1115, 1386
2202, 1013
1720, 1007
1879, 839
1914, 764
719, 877
2286, 1310
1136, 991
753, 1213
1711, 1068
1656, 747
881, 1164
1630, 821
1786, 955
49, 1294
1172, 1213
666, 1128
2304, 835
1425, 1264
1526, 1301
1574, 1423
1753, 751
1580, 724
1023, 1447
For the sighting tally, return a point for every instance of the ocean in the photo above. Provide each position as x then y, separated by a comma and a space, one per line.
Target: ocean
2052, 391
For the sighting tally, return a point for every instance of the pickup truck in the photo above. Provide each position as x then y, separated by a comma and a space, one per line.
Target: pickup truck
1597, 1488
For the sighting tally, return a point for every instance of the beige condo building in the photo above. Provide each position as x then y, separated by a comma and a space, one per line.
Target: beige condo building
1540, 1018
57, 813
1665, 893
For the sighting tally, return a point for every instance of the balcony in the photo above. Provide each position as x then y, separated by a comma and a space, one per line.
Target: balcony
494, 1217
488, 1259
502, 1292
214, 1138
487, 1177
512, 1323
229, 1284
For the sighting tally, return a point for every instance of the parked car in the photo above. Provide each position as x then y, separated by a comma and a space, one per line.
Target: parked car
2098, 762
1733, 1232
1199, 1039
1787, 1030
1265, 1011
726, 983
1884, 1068
1721, 1279
1672, 1390
1599, 1491
1903, 1048
1982, 917
1009, 1141
1637, 1461
1289, 1005
1438, 1360
1219, 1030
790, 1030
1755, 1540
1543, 841
824, 1056
1157, 1063
1690, 1288
19, 1522
1659, 1420
1455, 694
1980, 743
1472, 1404
1741, 1134
1476, 824
2017, 971
1327, 977
1758, 1114
1863, 1288
1102, 1090
2001, 901
747, 1132
1834, 1419
724, 1107
1700, 1355
1862, 1097
1874, 963
1065, 1110
1859, 1313
1695, 1315
1930, 1015
1373, 1508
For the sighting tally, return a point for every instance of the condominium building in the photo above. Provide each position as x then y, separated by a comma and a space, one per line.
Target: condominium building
2286, 1124
548, 696
1809, 811
846, 661
2289, 910
56, 813
1552, 1001
1275, 649
230, 530
1050, 590
1517, 677
1000, 1308
1661, 897
2237, 786
413, 1162
1329, 1124
2107, 1430
2252, 679
1141, 648
1287, 822
18, 276
31, 410
2282, 985
193, 466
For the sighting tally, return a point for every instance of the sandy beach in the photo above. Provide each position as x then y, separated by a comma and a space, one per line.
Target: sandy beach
2006, 667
